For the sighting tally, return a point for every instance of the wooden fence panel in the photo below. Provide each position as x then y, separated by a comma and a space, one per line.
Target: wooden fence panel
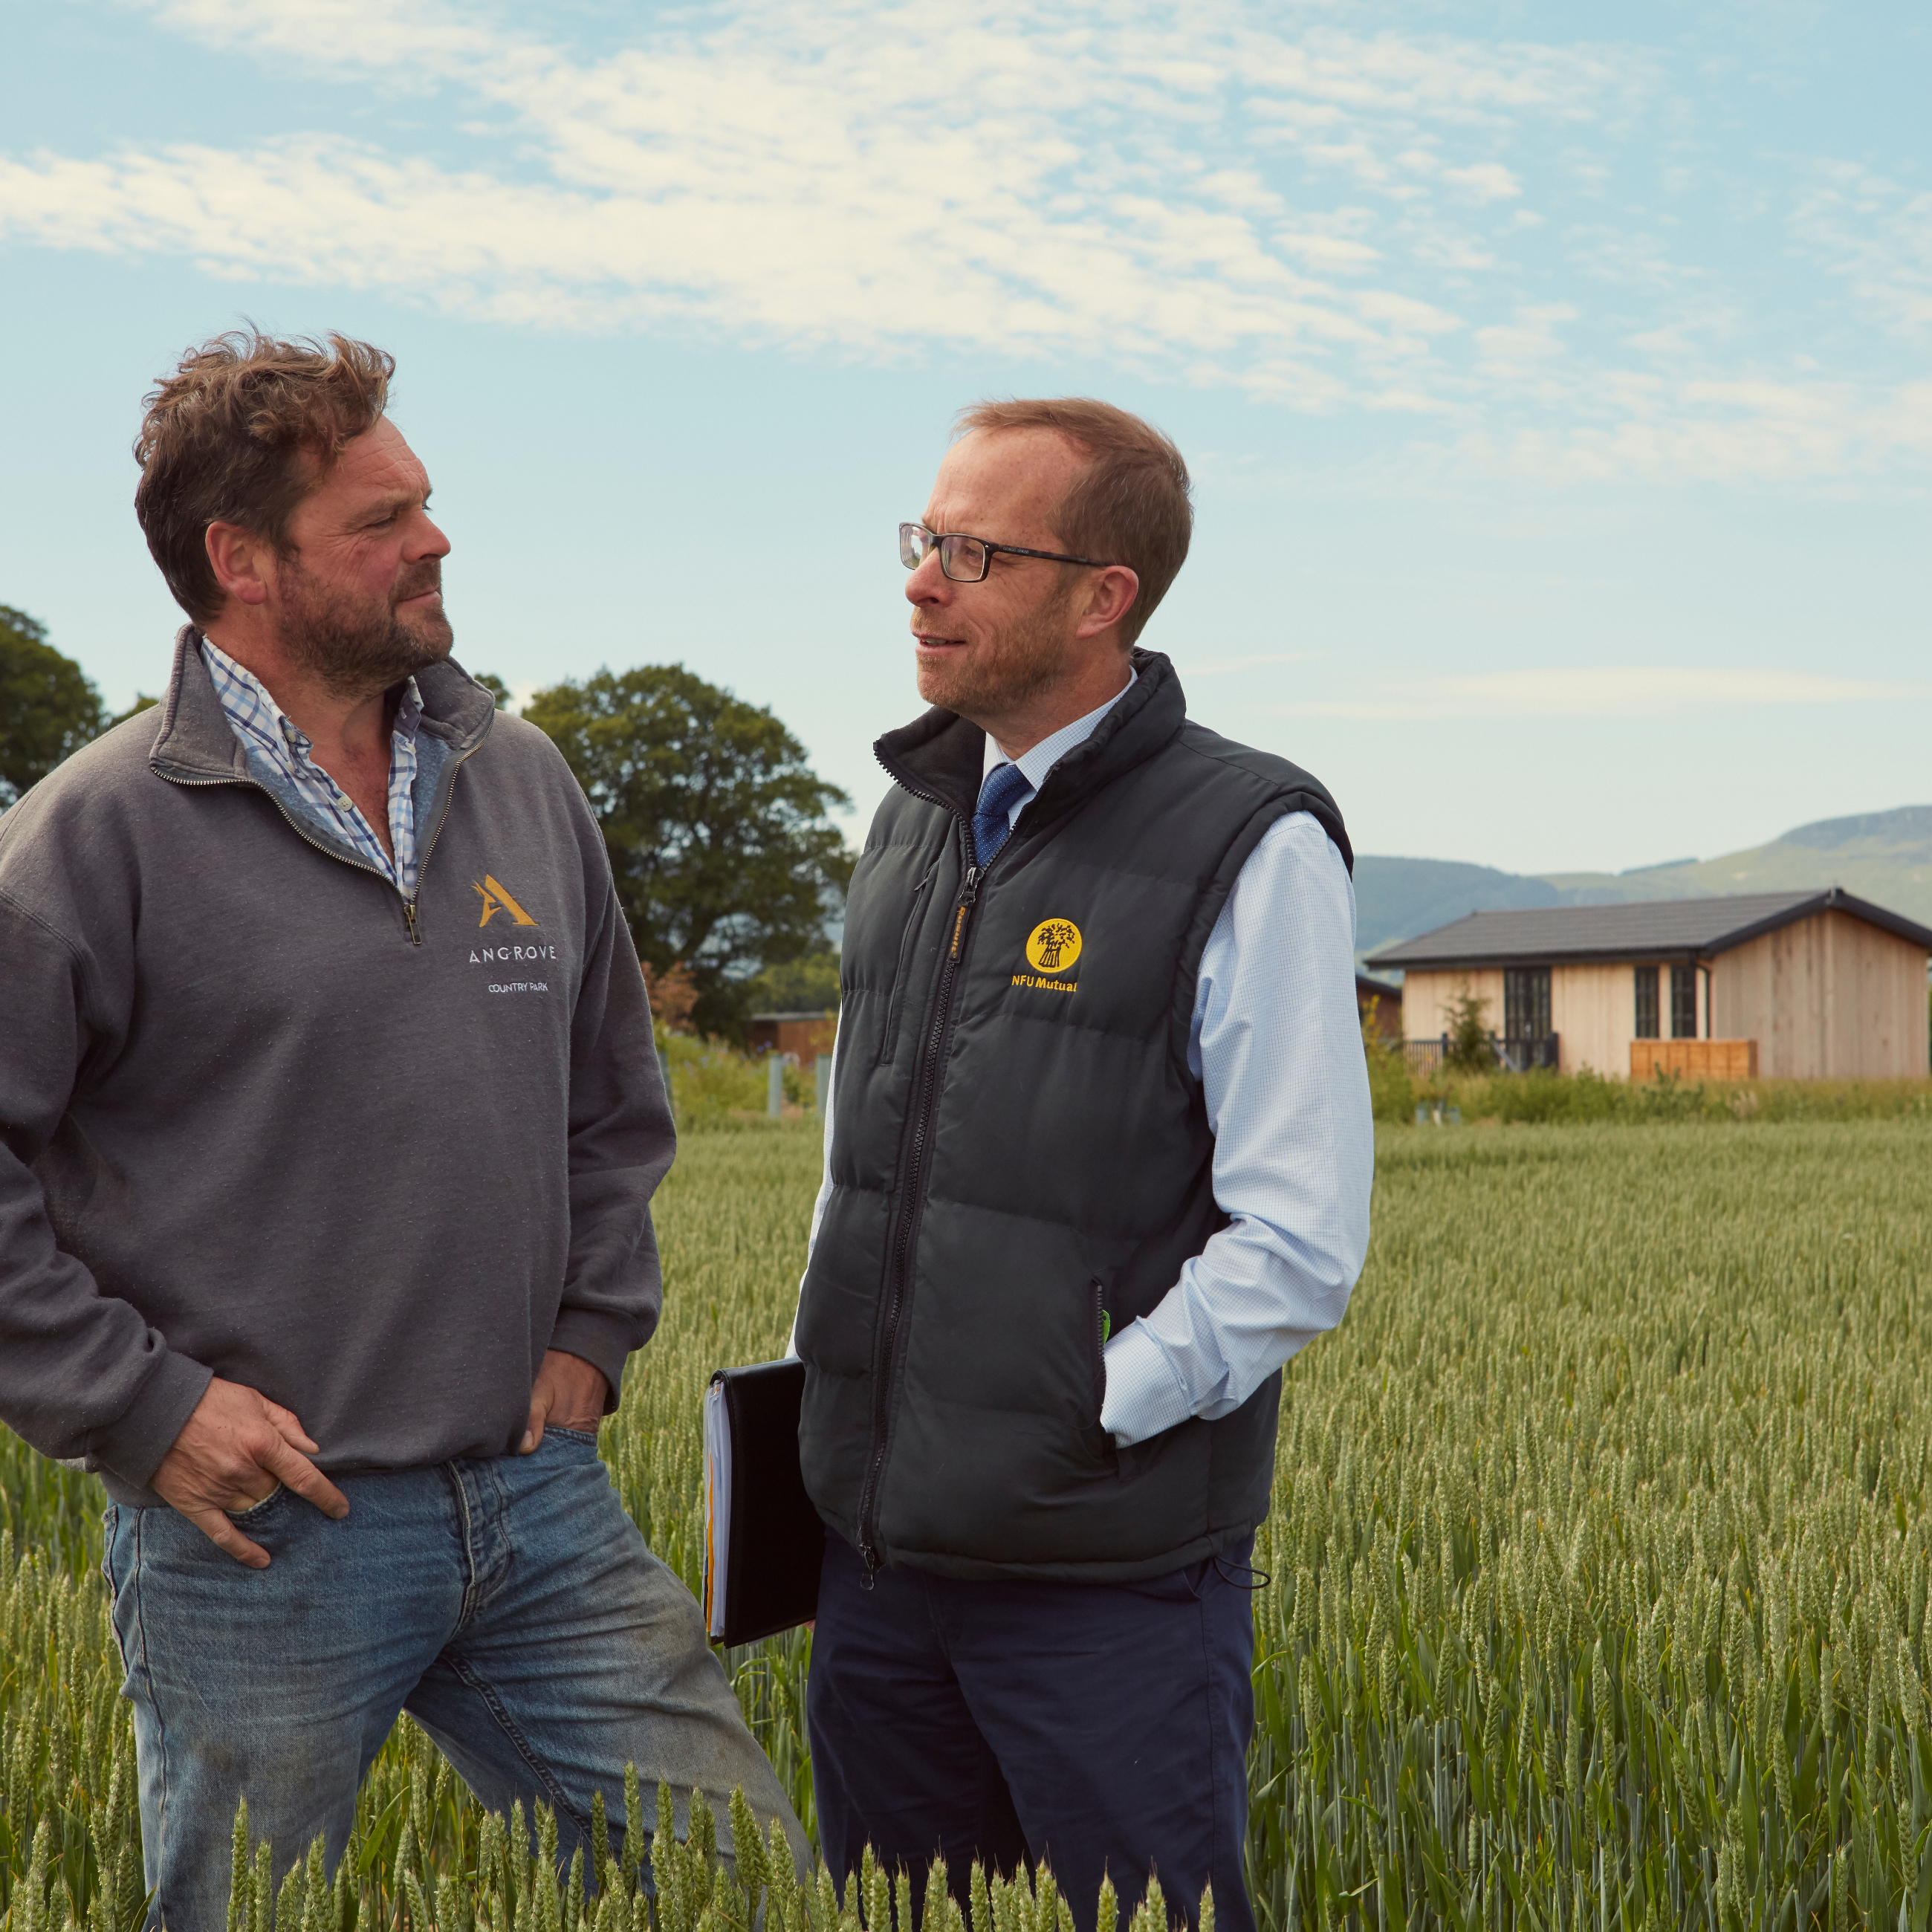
1694, 1059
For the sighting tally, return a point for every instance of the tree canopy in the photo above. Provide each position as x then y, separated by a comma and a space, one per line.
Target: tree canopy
48, 707
809, 984
716, 826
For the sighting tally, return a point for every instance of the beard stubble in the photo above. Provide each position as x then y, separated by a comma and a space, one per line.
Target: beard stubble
1028, 658
354, 647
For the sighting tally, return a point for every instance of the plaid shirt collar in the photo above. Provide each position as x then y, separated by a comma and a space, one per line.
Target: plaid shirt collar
269, 733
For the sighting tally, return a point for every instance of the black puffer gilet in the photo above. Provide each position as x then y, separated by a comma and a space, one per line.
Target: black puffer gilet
1021, 1157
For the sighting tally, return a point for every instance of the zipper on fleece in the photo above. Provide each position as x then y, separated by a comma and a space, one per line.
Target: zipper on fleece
925, 1105
428, 851
409, 920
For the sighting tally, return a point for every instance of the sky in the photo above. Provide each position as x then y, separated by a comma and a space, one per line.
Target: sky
1555, 379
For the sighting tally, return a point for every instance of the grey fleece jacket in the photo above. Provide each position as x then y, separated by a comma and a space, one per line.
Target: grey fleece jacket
252, 1124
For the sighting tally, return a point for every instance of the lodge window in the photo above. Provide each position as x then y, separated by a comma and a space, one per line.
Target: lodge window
1646, 1003
1526, 1003
1683, 1003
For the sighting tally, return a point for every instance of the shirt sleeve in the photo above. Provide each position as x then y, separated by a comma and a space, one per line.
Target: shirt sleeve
1277, 1043
824, 1194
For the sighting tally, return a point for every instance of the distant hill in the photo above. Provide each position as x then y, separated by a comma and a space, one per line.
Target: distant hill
1885, 856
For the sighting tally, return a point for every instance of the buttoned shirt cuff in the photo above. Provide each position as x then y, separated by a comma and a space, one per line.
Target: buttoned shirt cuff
1144, 1395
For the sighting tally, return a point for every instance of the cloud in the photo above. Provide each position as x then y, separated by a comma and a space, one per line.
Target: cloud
1530, 338
1211, 193
1488, 181
1877, 235
1109, 180
1607, 691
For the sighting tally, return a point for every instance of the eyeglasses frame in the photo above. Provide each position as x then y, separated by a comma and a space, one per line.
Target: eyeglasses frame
992, 550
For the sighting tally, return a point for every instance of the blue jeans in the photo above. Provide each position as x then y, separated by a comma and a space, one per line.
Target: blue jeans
509, 1605
1100, 1727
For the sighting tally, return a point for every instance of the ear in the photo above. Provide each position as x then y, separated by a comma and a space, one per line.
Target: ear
1109, 598
244, 563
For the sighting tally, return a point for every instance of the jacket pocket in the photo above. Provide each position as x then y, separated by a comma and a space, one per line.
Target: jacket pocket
889, 1039
1096, 1446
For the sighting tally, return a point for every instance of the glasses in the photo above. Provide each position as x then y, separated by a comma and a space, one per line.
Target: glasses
966, 560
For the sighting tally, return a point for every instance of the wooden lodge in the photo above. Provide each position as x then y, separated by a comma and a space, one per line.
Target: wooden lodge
1382, 997
1809, 985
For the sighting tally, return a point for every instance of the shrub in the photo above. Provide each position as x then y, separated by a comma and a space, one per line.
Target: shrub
1542, 1094
1471, 1049
1391, 1091
715, 1085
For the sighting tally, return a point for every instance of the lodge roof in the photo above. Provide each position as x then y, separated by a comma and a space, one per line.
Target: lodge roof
1647, 929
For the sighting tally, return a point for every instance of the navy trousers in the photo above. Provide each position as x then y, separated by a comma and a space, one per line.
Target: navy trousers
1097, 1727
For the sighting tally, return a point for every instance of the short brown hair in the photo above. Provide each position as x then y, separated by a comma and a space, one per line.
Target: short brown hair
240, 433
1132, 504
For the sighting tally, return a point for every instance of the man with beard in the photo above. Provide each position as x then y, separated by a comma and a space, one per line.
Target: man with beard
1099, 1165
332, 1123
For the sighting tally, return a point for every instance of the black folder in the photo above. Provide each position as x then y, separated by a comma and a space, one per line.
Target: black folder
763, 1541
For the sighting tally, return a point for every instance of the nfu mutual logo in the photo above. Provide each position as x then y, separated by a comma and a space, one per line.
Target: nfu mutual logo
1052, 948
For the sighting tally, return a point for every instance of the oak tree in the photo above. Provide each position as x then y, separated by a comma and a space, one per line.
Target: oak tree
48, 707
724, 859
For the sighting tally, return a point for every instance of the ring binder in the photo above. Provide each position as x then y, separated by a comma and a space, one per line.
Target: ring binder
764, 1542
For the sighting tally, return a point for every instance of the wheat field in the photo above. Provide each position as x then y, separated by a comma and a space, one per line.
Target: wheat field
1598, 1574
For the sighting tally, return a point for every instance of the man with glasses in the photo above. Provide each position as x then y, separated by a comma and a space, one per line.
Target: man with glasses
1099, 1165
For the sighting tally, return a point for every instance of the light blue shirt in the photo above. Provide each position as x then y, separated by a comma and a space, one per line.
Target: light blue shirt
272, 739
1276, 1044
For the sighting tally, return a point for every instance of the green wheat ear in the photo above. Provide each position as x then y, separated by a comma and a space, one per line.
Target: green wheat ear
982, 1904
1046, 1900
317, 1901
878, 1895
748, 1848
240, 1891
600, 1838
634, 1823
936, 1898
265, 1888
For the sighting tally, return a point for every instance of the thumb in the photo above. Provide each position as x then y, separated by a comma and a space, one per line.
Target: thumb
533, 1426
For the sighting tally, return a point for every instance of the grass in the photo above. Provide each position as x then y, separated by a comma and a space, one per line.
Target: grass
1598, 1567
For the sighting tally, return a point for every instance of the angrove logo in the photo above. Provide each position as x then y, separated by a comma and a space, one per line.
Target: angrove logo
496, 900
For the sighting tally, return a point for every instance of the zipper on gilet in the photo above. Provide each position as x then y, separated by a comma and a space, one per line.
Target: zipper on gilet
905, 1229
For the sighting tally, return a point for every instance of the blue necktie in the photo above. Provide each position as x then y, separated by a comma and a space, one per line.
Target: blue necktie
991, 826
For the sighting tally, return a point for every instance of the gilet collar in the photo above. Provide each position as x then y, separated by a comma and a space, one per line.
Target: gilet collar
941, 757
